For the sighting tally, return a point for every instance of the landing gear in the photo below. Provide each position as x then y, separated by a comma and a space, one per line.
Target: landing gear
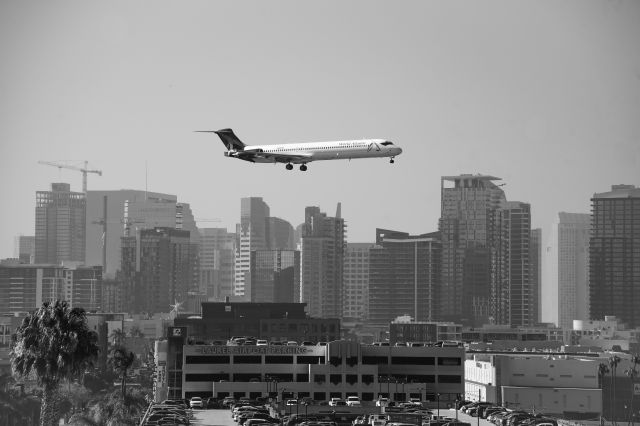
289, 166
391, 161
303, 168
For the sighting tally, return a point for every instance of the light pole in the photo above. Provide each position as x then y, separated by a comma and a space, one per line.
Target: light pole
438, 399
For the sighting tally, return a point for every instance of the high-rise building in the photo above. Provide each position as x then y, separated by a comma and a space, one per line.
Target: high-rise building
217, 251
322, 261
535, 268
25, 248
280, 234
251, 234
404, 276
614, 255
466, 225
60, 225
356, 282
109, 218
158, 269
275, 276
573, 268
514, 298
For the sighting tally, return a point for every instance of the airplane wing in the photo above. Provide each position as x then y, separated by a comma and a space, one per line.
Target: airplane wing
273, 157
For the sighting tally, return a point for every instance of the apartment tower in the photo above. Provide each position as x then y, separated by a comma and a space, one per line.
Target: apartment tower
251, 234
469, 204
404, 276
573, 268
322, 263
614, 255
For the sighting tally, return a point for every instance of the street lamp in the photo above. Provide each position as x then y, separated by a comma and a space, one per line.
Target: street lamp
438, 399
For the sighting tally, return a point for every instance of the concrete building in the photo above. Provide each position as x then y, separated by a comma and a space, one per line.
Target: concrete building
60, 225
401, 331
251, 234
217, 257
8, 326
404, 276
356, 282
468, 207
24, 288
109, 218
322, 263
614, 255
338, 369
275, 276
562, 385
158, 269
573, 268
25, 248
504, 337
271, 321
606, 335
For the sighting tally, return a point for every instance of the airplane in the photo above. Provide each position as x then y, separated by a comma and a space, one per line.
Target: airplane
303, 153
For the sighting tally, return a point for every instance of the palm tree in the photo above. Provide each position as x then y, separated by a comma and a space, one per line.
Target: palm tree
53, 343
136, 332
603, 369
122, 361
118, 336
632, 373
613, 363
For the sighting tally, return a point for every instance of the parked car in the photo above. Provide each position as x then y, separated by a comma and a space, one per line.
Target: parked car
196, 402
382, 402
353, 401
292, 402
261, 342
212, 403
333, 401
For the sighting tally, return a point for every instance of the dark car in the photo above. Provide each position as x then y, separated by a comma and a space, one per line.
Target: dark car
212, 403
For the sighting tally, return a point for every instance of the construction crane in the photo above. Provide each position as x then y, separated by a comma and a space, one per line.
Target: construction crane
84, 171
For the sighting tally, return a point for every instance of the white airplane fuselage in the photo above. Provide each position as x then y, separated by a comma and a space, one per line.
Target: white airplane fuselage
315, 151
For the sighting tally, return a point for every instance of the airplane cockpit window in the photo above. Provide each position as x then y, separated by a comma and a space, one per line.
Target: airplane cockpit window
385, 143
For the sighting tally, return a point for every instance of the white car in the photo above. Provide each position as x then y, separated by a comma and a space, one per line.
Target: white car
334, 401
382, 402
353, 401
261, 342
196, 402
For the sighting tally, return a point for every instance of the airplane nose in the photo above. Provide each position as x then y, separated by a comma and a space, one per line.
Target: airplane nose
398, 150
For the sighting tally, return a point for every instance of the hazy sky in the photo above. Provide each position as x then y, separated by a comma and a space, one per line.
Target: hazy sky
544, 94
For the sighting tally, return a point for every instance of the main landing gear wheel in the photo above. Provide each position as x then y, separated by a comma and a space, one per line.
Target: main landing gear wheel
289, 166
303, 167
391, 161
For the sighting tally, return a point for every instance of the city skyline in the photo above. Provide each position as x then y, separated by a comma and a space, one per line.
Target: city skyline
462, 88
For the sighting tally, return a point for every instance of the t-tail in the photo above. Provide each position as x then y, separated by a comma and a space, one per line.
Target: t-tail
229, 139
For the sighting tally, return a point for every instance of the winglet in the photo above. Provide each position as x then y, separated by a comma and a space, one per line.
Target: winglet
229, 139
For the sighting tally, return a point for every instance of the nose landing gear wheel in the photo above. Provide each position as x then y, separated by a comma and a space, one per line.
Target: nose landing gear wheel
391, 161
289, 166
303, 167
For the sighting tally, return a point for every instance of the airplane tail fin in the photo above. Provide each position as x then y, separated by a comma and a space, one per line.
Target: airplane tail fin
229, 139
